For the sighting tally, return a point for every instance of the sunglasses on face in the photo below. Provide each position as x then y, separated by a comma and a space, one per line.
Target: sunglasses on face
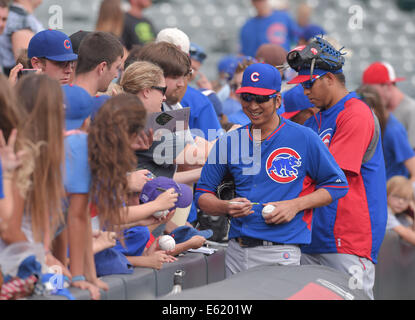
249, 97
63, 64
309, 83
196, 55
161, 89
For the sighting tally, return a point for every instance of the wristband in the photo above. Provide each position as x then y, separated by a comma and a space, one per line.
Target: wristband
78, 278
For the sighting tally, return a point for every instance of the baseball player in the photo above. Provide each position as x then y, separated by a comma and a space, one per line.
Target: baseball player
273, 161
348, 233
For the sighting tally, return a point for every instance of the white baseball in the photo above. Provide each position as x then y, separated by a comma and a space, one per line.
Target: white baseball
267, 210
167, 243
160, 214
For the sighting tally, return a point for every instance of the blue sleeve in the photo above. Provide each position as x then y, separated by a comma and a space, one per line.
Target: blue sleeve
206, 121
324, 170
1, 183
77, 170
247, 40
212, 174
400, 144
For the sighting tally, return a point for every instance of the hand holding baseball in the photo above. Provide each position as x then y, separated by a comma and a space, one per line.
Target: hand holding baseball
284, 211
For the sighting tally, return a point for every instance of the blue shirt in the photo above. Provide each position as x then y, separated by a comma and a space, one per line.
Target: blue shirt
77, 171
278, 28
291, 162
396, 148
230, 106
239, 117
202, 117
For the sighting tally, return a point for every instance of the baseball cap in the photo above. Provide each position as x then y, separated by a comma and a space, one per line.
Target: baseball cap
135, 240
78, 106
51, 44
111, 261
184, 233
197, 53
153, 188
380, 73
311, 31
295, 101
261, 79
175, 36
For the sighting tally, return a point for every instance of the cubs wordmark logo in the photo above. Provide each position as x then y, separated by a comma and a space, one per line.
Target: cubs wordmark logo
282, 165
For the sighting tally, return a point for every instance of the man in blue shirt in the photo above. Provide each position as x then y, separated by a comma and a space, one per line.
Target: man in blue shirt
268, 26
273, 162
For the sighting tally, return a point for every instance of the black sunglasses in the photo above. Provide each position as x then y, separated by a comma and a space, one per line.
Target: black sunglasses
161, 89
310, 83
248, 97
196, 55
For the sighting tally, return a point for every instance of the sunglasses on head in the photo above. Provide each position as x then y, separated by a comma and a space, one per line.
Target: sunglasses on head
248, 97
161, 89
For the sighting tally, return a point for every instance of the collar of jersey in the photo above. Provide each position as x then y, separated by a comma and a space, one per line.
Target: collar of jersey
280, 126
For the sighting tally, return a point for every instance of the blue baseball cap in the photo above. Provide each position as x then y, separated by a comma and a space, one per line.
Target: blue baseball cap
184, 233
135, 240
197, 53
261, 79
111, 261
153, 188
51, 44
311, 31
228, 64
78, 106
295, 101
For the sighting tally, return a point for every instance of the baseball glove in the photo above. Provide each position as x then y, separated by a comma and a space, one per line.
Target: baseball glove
319, 54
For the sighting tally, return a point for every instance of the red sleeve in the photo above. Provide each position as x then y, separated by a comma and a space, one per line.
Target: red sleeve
354, 131
150, 241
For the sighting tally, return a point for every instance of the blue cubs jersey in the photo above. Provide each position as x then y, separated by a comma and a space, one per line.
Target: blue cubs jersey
290, 163
278, 28
356, 223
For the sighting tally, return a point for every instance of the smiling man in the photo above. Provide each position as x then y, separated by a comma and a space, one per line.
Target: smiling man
291, 170
347, 234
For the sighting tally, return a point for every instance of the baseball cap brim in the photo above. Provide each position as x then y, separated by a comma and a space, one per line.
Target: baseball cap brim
184, 233
303, 78
63, 57
253, 90
289, 115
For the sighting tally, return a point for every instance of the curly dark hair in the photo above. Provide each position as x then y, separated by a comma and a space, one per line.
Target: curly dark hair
111, 155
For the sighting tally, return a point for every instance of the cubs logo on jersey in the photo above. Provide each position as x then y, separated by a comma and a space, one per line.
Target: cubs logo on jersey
326, 136
282, 165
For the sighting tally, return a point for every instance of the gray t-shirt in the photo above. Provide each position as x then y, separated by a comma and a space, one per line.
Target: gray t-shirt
19, 19
159, 159
405, 113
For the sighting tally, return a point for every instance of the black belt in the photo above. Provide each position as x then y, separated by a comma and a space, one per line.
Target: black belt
247, 242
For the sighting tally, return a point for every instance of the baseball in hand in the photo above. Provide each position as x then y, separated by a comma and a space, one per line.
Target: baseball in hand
267, 210
160, 214
167, 243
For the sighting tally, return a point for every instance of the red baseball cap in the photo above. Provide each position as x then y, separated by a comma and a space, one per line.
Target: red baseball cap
380, 73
